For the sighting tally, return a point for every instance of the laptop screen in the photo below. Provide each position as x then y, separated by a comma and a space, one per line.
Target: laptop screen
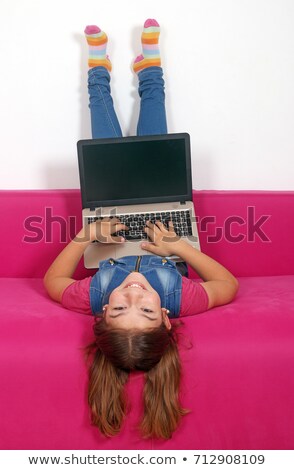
135, 170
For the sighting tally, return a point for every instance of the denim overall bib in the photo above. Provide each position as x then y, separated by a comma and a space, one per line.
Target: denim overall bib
161, 273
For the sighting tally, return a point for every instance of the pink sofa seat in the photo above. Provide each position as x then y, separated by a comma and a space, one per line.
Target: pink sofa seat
238, 379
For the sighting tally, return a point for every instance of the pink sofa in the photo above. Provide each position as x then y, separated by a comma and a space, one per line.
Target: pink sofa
238, 376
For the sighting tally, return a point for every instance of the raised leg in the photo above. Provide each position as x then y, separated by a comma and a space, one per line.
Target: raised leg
152, 117
104, 121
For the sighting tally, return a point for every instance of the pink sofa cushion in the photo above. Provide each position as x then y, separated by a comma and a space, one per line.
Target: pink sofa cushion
237, 379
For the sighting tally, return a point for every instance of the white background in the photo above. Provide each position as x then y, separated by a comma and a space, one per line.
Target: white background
229, 71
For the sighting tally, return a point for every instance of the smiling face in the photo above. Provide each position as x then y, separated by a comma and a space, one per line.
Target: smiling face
135, 304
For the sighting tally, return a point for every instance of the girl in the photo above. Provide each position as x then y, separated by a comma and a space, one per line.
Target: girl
135, 298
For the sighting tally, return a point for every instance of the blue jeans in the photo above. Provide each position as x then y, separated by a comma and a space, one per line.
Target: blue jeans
152, 117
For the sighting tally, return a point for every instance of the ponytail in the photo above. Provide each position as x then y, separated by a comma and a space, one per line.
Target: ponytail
106, 395
162, 409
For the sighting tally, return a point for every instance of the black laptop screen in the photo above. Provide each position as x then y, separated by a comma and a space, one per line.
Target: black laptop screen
135, 170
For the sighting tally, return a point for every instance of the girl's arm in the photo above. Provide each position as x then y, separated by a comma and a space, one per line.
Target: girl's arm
59, 275
221, 286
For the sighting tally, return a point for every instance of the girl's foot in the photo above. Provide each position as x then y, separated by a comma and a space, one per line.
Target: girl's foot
150, 56
97, 42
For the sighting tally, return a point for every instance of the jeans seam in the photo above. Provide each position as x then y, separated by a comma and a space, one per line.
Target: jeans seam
107, 112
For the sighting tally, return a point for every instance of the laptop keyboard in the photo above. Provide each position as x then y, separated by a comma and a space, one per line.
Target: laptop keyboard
137, 222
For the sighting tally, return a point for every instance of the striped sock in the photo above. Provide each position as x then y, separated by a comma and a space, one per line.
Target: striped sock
97, 42
150, 56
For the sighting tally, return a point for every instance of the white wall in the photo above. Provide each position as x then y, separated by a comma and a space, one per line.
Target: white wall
229, 70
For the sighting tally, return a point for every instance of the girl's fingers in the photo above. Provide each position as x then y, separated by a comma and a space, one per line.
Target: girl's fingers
171, 226
151, 228
160, 225
117, 227
110, 220
114, 221
149, 232
158, 231
164, 229
150, 224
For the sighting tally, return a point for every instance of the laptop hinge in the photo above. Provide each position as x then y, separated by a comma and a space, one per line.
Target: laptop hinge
182, 203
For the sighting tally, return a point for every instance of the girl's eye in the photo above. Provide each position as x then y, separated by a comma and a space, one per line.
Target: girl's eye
147, 310
118, 308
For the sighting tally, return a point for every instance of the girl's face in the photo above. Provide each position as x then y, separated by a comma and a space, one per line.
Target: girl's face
135, 304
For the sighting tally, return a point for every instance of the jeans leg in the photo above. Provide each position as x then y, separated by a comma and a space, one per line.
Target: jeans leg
103, 117
152, 117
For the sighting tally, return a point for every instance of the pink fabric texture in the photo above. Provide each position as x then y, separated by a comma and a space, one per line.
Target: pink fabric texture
194, 300
237, 376
237, 359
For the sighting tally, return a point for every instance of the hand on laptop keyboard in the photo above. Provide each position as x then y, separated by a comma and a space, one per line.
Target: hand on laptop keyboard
105, 230
136, 223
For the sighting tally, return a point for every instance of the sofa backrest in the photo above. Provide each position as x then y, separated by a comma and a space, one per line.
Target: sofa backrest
250, 232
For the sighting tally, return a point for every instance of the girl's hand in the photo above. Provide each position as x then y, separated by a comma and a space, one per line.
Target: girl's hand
60, 274
165, 242
103, 230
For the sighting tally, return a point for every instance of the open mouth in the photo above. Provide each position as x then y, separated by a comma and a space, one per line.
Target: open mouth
135, 284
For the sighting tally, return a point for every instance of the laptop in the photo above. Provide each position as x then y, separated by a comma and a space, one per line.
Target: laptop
136, 179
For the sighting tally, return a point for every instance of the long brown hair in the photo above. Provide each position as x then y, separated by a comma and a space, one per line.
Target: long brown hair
117, 352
